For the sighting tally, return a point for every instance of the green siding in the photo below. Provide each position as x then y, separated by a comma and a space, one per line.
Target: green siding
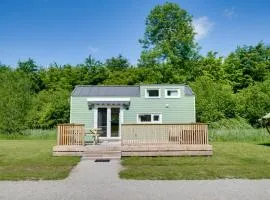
80, 113
179, 110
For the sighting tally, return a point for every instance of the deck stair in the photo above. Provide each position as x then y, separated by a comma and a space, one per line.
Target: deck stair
105, 150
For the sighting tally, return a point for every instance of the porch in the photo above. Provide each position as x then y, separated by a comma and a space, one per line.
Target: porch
136, 140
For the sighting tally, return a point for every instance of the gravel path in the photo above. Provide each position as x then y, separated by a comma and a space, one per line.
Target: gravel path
91, 181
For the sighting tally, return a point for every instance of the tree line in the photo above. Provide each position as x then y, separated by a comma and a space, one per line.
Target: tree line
235, 87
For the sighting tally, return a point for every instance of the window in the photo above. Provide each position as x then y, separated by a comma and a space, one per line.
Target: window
149, 118
152, 93
145, 118
156, 118
172, 93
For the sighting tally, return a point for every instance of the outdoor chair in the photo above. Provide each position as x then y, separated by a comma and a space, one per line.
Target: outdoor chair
95, 134
89, 139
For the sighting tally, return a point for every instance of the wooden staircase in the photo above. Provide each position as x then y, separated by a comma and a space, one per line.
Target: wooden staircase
105, 150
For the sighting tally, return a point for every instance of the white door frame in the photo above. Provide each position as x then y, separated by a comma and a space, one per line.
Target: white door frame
121, 120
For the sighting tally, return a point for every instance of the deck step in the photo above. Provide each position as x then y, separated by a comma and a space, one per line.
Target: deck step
95, 158
102, 154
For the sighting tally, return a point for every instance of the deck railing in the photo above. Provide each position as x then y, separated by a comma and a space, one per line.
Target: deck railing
154, 134
70, 134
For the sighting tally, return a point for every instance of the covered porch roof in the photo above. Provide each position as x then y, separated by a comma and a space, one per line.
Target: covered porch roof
108, 101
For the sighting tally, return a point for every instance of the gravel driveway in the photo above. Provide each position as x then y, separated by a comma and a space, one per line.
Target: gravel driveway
91, 181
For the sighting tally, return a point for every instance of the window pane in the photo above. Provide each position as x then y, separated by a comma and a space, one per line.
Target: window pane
172, 93
156, 118
153, 93
145, 118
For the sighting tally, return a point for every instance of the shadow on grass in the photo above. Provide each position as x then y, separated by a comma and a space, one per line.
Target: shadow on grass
265, 144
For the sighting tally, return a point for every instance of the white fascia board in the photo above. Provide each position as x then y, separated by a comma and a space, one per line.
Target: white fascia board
108, 99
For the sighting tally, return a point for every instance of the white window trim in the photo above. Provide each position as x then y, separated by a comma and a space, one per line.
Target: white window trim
172, 97
152, 118
146, 93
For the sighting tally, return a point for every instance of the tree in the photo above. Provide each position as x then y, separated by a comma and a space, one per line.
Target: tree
30, 68
15, 100
117, 63
210, 65
49, 108
214, 100
254, 102
168, 37
92, 62
247, 65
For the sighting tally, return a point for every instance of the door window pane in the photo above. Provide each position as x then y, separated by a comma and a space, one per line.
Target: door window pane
102, 121
115, 122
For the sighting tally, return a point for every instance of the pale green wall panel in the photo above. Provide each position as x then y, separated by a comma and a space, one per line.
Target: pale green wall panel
80, 113
178, 110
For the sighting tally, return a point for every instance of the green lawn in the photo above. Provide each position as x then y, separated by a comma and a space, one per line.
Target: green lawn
230, 160
32, 160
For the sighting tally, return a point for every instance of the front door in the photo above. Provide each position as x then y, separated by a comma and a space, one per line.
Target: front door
108, 121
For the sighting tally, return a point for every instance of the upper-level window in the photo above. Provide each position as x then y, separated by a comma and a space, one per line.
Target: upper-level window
172, 93
152, 93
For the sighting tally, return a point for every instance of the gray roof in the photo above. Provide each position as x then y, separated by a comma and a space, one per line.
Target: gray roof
188, 91
114, 91
109, 91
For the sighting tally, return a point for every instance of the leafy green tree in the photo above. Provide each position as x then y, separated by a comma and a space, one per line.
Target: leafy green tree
210, 65
92, 62
117, 63
49, 108
4, 68
168, 37
30, 68
15, 100
254, 102
247, 65
214, 100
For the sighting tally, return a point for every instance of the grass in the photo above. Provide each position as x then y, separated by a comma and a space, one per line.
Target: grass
230, 160
32, 134
32, 160
238, 153
238, 135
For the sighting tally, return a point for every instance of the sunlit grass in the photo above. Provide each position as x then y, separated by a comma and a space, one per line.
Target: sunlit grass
32, 160
230, 160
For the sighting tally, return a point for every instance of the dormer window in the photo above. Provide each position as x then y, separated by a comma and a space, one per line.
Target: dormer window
172, 93
152, 93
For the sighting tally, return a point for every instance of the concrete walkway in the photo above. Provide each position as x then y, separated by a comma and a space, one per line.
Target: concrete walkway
91, 181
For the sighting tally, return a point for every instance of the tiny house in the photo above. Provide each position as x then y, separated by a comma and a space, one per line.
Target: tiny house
107, 107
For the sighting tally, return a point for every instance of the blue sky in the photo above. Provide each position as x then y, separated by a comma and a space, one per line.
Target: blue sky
67, 31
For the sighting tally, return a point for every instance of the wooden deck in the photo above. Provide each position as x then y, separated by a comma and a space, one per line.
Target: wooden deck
137, 140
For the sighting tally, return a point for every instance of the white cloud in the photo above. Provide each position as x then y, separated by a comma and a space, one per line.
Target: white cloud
202, 26
92, 49
230, 13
